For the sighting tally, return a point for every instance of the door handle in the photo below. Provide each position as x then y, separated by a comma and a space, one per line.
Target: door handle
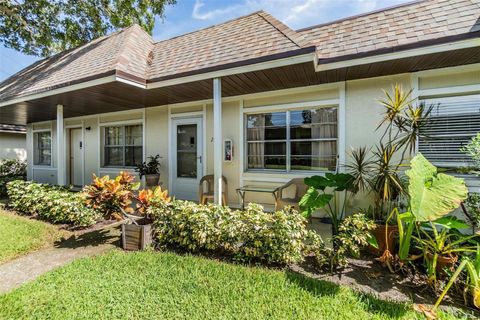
200, 158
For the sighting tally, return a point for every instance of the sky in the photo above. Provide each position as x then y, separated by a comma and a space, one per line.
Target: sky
191, 15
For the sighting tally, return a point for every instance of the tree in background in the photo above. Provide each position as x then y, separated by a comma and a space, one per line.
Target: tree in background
46, 27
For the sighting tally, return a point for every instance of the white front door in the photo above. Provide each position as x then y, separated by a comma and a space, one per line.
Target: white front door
76, 159
187, 157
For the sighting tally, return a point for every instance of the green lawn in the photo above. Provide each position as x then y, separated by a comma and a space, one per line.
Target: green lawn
19, 235
147, 285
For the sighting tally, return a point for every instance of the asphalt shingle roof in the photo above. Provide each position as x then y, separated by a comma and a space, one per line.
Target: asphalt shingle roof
402, 25
249, 37
244, 40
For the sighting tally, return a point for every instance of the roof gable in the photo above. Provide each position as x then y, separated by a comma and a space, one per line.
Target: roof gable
253, 36
124, 50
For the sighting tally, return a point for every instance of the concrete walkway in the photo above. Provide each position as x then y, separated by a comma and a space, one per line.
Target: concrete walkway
16, 272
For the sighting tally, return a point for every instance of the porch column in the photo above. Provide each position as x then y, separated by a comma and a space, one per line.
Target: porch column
217, 140
61, 179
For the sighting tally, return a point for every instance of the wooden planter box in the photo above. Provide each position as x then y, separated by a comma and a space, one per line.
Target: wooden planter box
136, 237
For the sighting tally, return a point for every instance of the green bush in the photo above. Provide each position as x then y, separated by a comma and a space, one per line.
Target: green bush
52, 203
11, 169
354, 234
249, 235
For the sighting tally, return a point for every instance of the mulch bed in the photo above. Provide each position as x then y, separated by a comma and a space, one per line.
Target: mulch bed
368, 276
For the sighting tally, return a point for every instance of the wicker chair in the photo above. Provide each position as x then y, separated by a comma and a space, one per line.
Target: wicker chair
300, 189
204, 196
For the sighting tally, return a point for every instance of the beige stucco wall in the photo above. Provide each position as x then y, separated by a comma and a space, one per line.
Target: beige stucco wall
362, 115
13, 146
453, 79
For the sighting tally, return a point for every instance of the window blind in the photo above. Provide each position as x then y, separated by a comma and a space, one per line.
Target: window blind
454, 121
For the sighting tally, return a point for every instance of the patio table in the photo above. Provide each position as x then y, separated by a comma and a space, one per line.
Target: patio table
265, 189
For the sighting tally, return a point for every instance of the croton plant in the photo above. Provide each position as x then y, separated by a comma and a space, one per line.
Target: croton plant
108, 196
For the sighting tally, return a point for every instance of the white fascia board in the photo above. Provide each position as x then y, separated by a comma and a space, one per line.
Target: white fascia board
472, 88
74, 87
470, 43
131, 83
15, 132
308, 57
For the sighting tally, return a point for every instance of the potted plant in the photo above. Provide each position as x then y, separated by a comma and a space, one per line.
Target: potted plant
113, 198
472, 282
432, 195
151, 170
138, 233
331, 192
376, 174
441, 243
380, 174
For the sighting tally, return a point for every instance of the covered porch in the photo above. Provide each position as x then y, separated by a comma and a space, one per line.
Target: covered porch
118, 93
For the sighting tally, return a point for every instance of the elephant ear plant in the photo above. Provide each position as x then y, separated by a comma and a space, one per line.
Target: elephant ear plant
472, 283
321, 191
432, 195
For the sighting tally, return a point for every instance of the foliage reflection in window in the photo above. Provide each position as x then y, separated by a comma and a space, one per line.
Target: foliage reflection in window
123, 146
295, 140
42, 148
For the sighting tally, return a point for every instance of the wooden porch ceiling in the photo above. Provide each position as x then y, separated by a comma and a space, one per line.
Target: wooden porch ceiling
117, 96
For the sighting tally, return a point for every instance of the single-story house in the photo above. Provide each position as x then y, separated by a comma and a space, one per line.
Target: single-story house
13, 142
286, 103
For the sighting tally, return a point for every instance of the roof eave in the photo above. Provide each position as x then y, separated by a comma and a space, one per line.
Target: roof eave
280, 59
461, 41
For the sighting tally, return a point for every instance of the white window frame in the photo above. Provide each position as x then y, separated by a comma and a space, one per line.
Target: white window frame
35, 148
448, 91
123, 124
332, 103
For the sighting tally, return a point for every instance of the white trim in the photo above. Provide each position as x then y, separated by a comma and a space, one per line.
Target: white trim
83, 152
266, 179
174, 122
102, 168
240, 152
273, 93
106, 114
341, 133
308, 57
78, 86
342, 130
144, 136
115, 169
61, 157
217, 140
99, 139
121, 123
469, 43
204, 129
449, 70
44, 168
131, 83
292, 106
74, 126
42, 130
187, 114
170, 149
15, 132
414, 83
449, 90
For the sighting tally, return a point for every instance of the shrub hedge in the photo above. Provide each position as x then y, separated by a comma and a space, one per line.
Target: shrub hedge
10, 170
52, 203
249, 235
